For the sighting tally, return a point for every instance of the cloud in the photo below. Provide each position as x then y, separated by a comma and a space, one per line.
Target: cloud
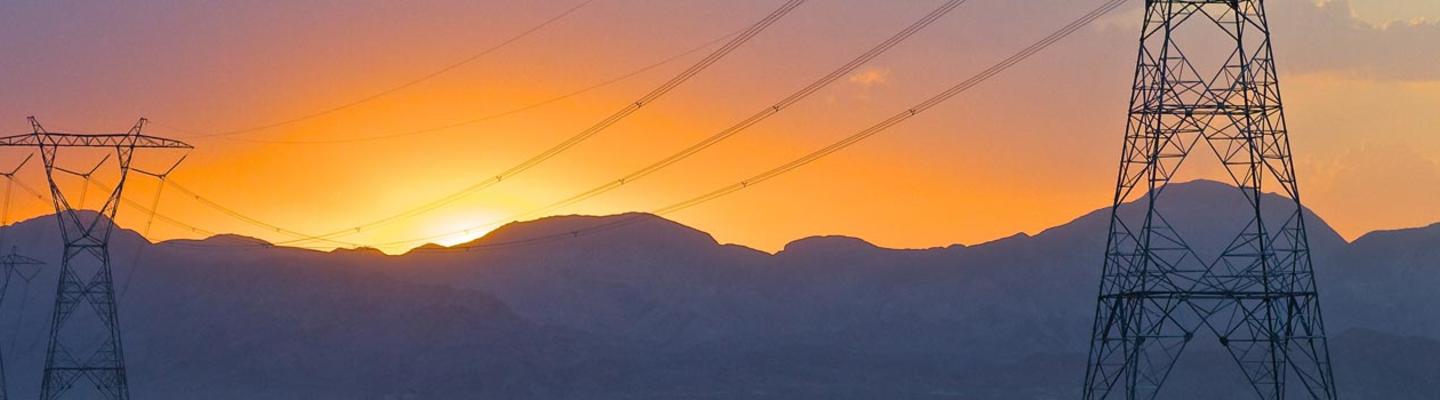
1327, 37
870, 77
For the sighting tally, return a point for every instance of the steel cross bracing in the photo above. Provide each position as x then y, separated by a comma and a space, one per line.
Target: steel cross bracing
74, 350
1257, 294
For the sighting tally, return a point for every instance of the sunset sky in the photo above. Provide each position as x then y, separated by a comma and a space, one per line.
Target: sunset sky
1030, 149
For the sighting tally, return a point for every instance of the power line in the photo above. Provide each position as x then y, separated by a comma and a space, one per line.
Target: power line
10, 179
156, 214
961, 87
272, 227
730, 131
140, 247
501, 114
952, 91
10, 183
150, 211
402, 86
247, 219
739, 38
576, 139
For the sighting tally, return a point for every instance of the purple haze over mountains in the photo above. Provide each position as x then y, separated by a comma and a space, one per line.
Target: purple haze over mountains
660, 310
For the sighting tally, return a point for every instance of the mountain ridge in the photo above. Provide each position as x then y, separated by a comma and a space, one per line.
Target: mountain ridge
560, 224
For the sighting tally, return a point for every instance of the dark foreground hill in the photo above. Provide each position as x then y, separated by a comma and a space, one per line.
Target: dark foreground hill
658, 310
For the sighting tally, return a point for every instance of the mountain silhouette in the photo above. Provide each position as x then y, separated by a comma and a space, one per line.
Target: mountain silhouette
655, 309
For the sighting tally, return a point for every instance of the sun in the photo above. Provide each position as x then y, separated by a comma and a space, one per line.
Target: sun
461, 237
458, 228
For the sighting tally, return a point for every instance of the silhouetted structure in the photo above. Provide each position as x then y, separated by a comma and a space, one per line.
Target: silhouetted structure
1257, 294
15, 265
85, 277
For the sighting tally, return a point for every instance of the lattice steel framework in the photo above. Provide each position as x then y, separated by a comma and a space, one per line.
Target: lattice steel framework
86, 344
1257, 294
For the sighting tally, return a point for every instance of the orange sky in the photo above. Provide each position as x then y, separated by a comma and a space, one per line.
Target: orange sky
1031, 149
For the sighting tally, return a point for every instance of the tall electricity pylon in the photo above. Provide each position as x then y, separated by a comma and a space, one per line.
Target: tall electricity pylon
86, 344
1257, 294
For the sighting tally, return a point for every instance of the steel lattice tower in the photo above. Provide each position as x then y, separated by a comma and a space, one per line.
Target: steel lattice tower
84, 326
1257, 294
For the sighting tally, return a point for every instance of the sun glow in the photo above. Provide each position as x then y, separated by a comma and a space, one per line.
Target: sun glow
460, 229
983, 167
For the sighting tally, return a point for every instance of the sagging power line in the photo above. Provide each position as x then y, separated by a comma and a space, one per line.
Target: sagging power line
501, 114
739, 126
734, 129
594, 129
269, 227
834, 147
954, 90
402, 86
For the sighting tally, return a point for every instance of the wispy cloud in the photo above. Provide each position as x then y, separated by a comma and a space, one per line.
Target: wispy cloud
870, 76
1328, 37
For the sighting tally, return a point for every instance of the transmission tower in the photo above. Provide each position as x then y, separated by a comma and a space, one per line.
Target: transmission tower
25, 268
84, 326
1256, 294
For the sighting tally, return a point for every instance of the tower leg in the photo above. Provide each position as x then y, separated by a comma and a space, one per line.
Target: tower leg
84, 325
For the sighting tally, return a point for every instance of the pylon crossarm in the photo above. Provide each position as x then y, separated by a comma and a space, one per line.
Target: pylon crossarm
52, 139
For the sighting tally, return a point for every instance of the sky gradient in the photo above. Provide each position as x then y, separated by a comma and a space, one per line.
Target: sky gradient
1031, 149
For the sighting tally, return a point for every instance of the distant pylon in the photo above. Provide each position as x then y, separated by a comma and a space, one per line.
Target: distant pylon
1257, 294
25, 268
86, 344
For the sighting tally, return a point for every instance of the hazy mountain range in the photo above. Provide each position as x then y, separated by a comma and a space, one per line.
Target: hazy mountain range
659, 310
